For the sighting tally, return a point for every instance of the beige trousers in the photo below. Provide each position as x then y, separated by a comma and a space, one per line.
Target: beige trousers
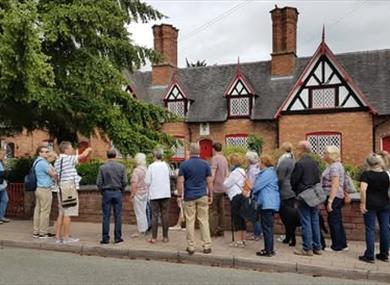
198, 208
43, 199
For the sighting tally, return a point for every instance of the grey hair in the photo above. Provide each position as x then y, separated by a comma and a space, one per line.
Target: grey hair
194, 148
64, 146
140, 159
252, 156
374, 161
158, 154
305, 146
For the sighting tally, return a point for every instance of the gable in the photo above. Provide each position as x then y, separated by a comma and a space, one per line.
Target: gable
324, 85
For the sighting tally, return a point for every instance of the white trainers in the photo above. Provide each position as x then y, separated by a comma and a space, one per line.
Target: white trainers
175, 228
71, 240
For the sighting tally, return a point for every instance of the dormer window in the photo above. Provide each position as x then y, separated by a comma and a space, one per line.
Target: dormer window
176, 102
131, 92
240, 96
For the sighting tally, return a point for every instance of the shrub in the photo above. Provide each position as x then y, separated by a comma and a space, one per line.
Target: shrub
255, 143
229, 150
18, 168
88, 171
320, 161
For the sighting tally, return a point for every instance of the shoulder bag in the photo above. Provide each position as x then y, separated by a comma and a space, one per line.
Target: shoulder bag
68, 197
313, 196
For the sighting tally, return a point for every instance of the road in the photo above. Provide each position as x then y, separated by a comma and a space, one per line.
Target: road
25, 266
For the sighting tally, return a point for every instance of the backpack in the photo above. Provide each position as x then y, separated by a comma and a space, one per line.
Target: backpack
30, 180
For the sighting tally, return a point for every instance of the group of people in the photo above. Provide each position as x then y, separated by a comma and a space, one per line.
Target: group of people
275, 188
201, 189
56, 174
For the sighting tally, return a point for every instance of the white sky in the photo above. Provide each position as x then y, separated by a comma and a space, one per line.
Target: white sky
219, 31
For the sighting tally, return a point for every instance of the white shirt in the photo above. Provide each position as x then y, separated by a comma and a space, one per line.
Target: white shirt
157, 180
234, 182
68, 172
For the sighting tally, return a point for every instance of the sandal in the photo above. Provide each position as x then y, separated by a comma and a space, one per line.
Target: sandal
152, 240
263, 252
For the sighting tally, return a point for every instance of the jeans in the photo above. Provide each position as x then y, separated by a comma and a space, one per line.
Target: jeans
267, 223
310, 223
3, 202
112, 199
369, 221
160, 206
257, 230
336, 227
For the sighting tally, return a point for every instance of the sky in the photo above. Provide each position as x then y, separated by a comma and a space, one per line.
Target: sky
220, 31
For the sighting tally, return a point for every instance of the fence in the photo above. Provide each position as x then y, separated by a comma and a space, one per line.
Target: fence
15, 207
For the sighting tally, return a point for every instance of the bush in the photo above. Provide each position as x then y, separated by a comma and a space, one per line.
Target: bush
229, 150
88, 171
255, 143
320, 161
18, 168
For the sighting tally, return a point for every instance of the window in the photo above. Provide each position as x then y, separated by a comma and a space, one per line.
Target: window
176, 101
323, 98
179, 149
177, 108
237, 140
318, 141
239, 99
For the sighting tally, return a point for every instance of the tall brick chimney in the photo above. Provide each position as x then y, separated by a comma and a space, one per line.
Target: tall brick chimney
165, 43
284, 40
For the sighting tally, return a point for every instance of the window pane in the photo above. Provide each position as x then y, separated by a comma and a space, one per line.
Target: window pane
323, 98
319, 142
239, 106
237, 141
177, 108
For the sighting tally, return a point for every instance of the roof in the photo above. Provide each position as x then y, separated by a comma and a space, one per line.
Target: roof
370, 70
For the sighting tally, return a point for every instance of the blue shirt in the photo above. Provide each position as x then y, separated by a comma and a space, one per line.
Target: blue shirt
195, 172
266, 189
42, 167
4, 184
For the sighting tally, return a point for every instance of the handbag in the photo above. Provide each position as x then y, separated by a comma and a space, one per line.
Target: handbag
349, 187
68, 197
313, 196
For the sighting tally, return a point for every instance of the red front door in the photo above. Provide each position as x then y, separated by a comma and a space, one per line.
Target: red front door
386, 144
206, 149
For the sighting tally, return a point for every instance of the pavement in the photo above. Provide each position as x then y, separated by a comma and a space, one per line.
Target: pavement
331, 264
29, 266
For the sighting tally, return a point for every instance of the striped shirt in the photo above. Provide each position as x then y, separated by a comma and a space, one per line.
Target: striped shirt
68, 172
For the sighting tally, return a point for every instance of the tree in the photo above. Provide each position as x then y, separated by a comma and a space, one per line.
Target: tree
198, 63
61, 64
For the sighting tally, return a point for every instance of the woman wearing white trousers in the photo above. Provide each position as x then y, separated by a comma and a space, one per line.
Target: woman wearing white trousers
139, 194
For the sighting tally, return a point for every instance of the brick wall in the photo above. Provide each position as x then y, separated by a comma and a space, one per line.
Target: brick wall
355, 128
382, 130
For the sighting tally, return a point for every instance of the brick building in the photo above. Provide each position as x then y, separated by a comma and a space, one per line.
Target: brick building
327, 99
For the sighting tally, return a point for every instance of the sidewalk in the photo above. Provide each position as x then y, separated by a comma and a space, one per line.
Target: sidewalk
330, 264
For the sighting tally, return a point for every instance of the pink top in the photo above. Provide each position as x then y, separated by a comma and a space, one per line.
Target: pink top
138, 177
220, 165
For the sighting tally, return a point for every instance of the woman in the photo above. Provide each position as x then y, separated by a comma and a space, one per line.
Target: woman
3, 190
288, 213
139, 194
333, 185
159, 189
266, 193
233, 188
374, 203
251, 173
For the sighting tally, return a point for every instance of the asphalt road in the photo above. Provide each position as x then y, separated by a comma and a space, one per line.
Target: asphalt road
25, 266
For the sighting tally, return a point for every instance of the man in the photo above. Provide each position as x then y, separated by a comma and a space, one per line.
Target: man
45, 175
3, 190
112, 181
219, 171
195, 187
306, 174
69, 181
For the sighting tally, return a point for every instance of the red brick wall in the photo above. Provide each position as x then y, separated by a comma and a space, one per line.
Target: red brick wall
382, 131
355, 128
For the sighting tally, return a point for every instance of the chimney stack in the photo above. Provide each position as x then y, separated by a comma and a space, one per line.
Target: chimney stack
284, 40
165, 43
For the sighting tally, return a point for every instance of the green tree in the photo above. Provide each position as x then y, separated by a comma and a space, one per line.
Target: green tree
61, 64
